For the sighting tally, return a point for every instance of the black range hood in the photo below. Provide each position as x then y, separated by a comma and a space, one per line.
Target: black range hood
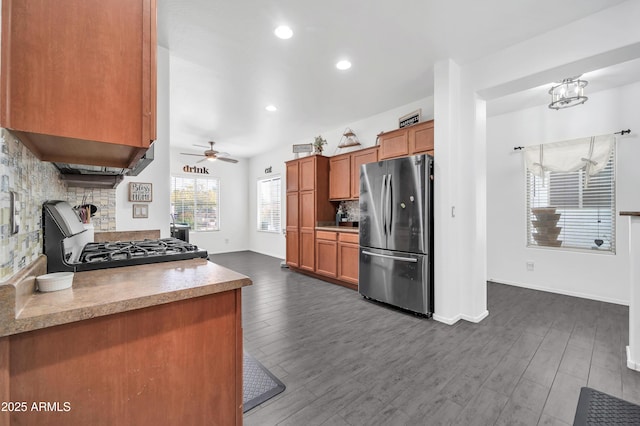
85, 176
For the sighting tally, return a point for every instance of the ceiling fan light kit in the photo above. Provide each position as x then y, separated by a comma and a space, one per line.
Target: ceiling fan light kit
212, 155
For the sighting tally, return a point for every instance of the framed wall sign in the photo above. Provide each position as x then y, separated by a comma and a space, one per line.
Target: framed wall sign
409, 119
304, 147
141, 192
140, 211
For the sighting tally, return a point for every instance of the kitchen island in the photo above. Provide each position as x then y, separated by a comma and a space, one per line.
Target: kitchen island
150, 344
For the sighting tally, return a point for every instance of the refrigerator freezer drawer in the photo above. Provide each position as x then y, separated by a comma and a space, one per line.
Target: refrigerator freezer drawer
397, 278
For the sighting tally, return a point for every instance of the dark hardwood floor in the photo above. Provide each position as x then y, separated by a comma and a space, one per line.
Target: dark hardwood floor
348, 361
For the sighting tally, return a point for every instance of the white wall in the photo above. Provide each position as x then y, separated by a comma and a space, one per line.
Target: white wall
366, 131
234, 207
592, 275
156, 172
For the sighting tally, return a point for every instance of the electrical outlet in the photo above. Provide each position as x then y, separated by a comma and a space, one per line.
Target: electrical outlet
530, 265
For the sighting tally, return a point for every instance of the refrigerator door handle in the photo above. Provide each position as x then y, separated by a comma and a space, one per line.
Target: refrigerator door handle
382, 195
386, 256
389, 204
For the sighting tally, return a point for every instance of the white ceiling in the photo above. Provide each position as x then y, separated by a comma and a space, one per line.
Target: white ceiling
226, 64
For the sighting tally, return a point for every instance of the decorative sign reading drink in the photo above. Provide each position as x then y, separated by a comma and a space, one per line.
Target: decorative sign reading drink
140, 192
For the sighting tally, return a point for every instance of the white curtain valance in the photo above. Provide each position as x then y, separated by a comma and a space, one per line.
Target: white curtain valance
590, 154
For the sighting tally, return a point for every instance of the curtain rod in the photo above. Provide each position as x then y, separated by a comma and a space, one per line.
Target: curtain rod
621, 132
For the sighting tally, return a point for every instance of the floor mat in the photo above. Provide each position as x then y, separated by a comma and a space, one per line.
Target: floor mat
258, 384
597, 408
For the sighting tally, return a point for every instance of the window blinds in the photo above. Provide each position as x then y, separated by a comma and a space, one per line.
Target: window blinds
571, 209
195, 201
269, 205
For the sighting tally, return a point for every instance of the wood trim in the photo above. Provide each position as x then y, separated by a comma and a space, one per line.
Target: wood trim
5, 394
5, 69
165, 364
153, 82
239, 357
349, 237
324, 235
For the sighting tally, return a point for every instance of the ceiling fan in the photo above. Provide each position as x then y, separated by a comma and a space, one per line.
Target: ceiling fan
211, 154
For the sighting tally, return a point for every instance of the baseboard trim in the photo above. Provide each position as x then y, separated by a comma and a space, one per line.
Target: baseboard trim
477, 318
563, 292
445, 320
631, 363
266, 254
453, 320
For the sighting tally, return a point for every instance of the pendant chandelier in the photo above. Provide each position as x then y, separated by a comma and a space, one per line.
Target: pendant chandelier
568, 93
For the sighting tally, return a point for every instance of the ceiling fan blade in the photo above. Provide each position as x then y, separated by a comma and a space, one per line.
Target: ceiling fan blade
222, 154
200, 146
204, 159
196, 155
227, 159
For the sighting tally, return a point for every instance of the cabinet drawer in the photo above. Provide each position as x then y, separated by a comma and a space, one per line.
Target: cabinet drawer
348, 237
326, 235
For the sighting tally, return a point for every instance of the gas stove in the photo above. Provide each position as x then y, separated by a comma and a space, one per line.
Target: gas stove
128, 253
62, 229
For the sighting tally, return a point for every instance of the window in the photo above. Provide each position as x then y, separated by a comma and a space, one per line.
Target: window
196, 202
564, 211
269, 204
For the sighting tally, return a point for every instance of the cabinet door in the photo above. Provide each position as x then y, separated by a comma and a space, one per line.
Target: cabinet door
293, 209
421, 137
340, 177
327, 258
358, 159
307, 174
307, 210
293, 168
293, 245
79, 78
393, 144
307, 250
348, 258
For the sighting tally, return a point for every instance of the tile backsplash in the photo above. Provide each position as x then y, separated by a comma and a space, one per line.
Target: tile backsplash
352, 208
34, 182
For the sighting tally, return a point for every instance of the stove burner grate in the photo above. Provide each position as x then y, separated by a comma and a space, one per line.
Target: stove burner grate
125, 250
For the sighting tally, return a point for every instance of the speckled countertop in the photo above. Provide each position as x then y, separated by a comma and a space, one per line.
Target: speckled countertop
352, 230
109, 291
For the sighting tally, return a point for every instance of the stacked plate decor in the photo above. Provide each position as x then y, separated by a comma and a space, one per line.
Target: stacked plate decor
545, 226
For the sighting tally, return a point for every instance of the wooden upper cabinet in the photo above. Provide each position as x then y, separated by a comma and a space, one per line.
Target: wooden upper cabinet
358, 158
292, 210
307, 174
421, 137
340, 177
78, 78
308, 209
293, 168
415, 139
393, 144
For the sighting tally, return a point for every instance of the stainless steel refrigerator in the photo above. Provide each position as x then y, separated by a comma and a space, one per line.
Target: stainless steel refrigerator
396, 233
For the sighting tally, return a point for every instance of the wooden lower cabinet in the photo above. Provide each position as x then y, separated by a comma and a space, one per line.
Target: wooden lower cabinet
176, 363
337, 257
348, 258
326, 254
293, 247
307, 250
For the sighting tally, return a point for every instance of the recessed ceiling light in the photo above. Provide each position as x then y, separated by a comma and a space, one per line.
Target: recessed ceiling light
283, 32
343, 65
271, 108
